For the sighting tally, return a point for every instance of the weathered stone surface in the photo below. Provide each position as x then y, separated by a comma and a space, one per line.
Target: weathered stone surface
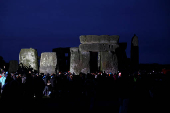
75, 60
109, 62
28, 57
104, 45
99, 60
115, 63
48, 69
134, 40
13, 66
114, 39
48, 59
85, 62
98, 47
88, 39
48, 62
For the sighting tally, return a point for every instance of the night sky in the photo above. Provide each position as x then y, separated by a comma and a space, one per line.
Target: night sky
48, 24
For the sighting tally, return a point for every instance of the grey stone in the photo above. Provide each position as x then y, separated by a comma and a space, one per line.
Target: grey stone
104, 39
98, 47
134, 40
114, 39
48, 62
28, 57
48, 59
85, 62
48, 69
105, 45
115, 63
89, 39
109, 62
134, 54
13, 66
75, 60
99, 60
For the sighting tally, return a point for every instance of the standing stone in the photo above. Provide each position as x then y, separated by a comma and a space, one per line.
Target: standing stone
48, 62
99, 61
115, 63
105, 45
75, 60
134, 41
28, 57
85, 62
13, 66
134, 54
109, 62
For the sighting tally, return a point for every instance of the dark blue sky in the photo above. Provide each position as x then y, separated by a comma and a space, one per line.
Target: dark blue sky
48, 24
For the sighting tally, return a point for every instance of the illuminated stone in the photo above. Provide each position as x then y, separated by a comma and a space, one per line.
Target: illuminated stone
48, 62
96, 47
106, 47
28, 57
89, 39
84, 62
109, 62
75, 60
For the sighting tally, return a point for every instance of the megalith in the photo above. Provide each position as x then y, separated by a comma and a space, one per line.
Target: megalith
48, 62
134, 53
106, 47
75, 60
28, 57
85, 61
89, 39
109, 62
134, 41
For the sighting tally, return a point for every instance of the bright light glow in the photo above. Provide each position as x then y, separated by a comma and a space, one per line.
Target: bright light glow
120, 74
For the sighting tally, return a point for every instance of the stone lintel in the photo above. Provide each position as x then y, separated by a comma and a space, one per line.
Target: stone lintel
88, 39
96, 47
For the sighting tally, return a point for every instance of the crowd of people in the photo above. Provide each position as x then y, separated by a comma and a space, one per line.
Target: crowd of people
34, 85
132, 89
